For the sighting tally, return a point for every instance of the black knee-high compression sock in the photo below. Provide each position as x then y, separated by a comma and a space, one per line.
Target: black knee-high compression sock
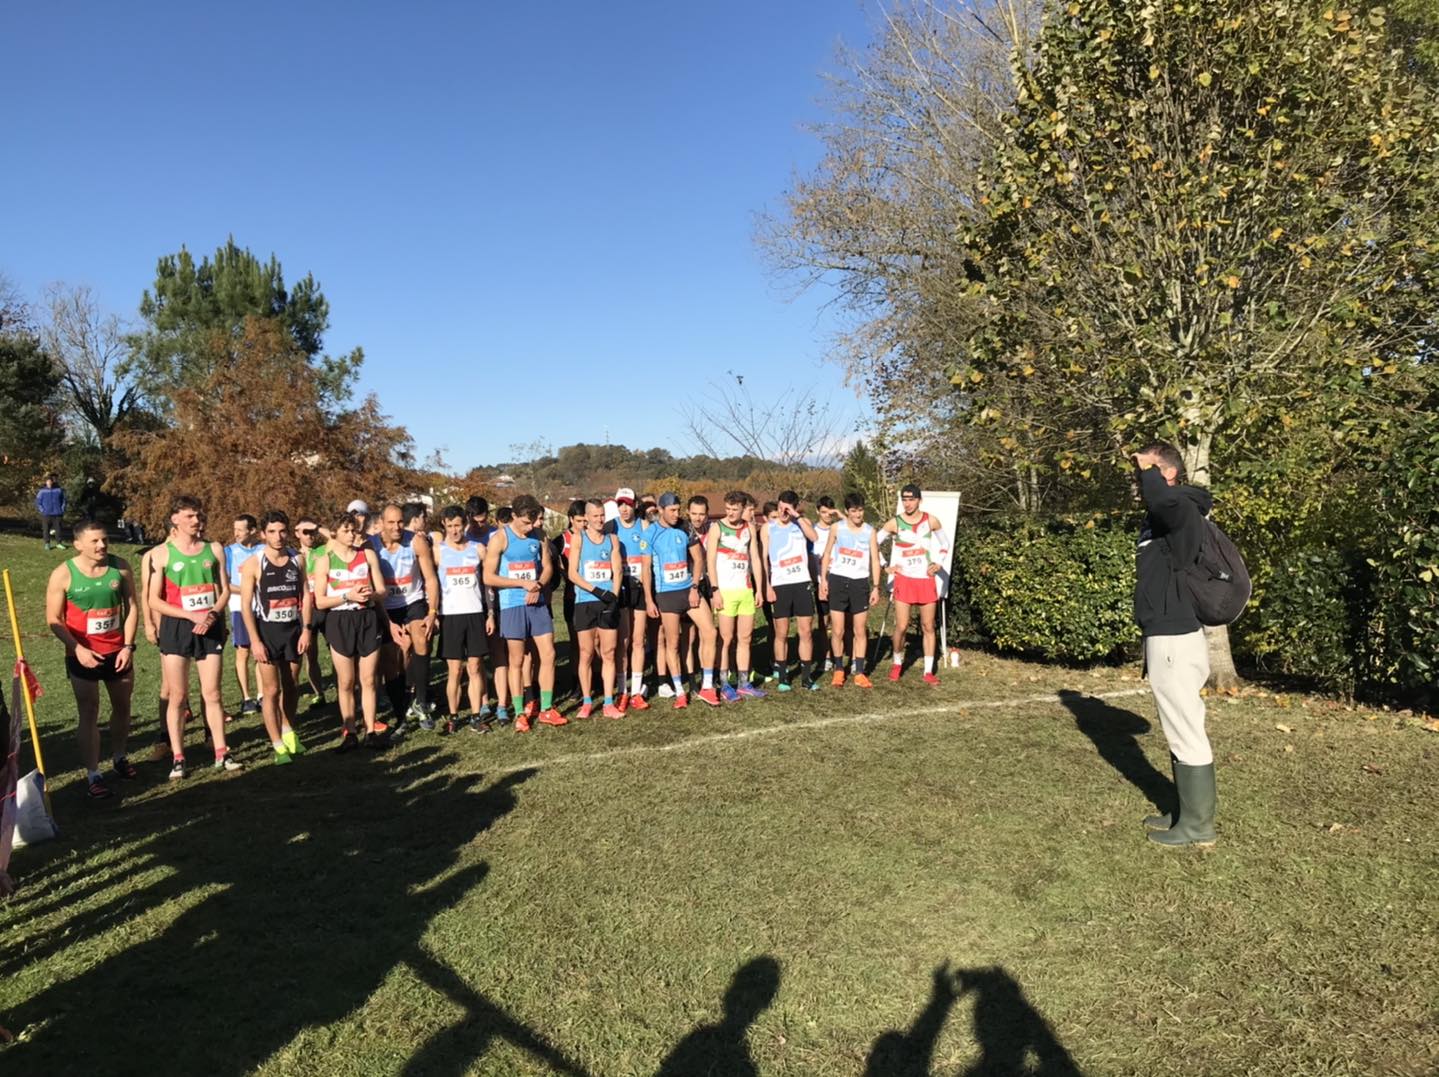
395, 692
417, 673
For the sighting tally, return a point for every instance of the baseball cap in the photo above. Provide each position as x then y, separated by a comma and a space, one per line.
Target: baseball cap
358, 506
666, 500
623, 494
909, 489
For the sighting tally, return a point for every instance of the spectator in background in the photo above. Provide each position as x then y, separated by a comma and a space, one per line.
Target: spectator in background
50, 504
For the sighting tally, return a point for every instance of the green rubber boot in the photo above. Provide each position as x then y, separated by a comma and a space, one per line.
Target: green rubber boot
1197, 796
1164, 820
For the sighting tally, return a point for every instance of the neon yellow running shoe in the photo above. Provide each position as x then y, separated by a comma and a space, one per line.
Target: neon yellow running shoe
292, 742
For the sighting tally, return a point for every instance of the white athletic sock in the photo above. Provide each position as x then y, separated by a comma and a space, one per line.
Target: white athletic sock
929, 663
279, 746
637, 684
899, 659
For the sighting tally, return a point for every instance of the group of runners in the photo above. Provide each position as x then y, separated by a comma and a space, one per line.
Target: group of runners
644, 588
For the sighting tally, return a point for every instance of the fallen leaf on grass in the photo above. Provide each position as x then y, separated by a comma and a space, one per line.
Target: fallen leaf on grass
1432, 724
1283, 728
1370, 768
1338, 828
1289, 747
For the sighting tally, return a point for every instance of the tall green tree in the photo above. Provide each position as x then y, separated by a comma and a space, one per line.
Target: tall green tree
31, 434
1204, 219
190, 300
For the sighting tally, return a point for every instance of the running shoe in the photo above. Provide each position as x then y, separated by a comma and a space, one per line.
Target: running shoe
415, 711
227, 762
612, 711
681, 701
861, 681
750, 691
708, 695
292, 743
98, 790
282, 758
894, 672
623, 703
784, 686
380, 737
813, 684
177, 770
729, 695
828, 664
314, 699
123, 768
522, 722
532, 709
348, 741
487, 713
250, 706
585, 711
478, 725
639, 703
552, 717
427, 723
837, 681
666, 691
931, 678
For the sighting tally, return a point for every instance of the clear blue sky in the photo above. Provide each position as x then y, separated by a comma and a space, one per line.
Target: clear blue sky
505, 203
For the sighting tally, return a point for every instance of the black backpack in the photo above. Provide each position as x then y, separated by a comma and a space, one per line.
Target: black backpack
1218, 580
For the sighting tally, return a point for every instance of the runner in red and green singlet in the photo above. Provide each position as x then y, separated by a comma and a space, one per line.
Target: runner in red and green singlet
188, 592
90, 606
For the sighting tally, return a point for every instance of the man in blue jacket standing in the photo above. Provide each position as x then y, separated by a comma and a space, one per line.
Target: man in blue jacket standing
1176, 656
50, 504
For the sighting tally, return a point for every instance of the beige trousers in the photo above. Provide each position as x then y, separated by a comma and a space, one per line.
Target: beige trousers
1177, 667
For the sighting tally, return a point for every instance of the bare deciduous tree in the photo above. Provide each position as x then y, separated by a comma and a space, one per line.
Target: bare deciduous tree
796, 427
89, 347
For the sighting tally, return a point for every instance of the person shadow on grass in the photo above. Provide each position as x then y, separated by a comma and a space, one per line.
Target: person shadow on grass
1013, 1039
252, 908
722, 1049
1114, 732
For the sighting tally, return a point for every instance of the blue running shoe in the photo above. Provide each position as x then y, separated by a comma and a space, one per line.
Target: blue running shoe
749, 691
728, 694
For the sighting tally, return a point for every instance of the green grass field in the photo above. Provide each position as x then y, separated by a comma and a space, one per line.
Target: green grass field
894, 883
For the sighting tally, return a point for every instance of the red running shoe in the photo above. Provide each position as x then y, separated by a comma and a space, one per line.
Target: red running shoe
894, 672
639, 703
710, 696
930, 678
681, 701
522, 722
585, 711
612, 711
552, 717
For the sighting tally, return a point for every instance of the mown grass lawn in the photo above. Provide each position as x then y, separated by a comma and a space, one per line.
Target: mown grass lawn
900, 882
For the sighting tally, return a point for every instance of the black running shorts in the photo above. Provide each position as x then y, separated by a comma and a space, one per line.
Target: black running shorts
848, 595
793, 600
177, 637
590, 615
354, 633
462, 635
282, 641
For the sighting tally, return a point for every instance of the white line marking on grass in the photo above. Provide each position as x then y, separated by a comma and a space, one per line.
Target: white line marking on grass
816, 723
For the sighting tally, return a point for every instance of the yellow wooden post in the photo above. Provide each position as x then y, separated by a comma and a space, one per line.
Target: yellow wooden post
25, 688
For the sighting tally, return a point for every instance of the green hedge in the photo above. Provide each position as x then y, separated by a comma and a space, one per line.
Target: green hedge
1060, 590
1303, 619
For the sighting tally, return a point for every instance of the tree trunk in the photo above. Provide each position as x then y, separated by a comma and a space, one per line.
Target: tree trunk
1223, 677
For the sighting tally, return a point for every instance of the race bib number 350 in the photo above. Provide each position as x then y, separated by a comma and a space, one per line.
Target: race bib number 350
285, 610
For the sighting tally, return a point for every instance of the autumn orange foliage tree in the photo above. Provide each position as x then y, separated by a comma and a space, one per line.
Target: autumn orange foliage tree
259, 433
